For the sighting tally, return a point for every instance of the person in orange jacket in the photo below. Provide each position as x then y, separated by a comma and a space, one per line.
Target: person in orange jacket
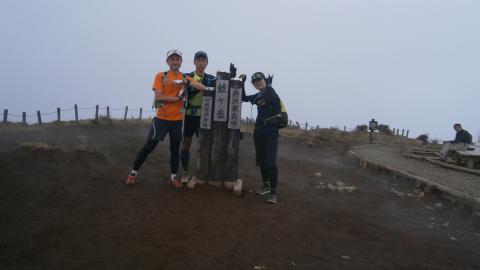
169, 89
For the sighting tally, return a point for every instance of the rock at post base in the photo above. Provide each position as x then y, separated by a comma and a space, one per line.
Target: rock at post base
215, 183
192, 182
237, 187
229, 184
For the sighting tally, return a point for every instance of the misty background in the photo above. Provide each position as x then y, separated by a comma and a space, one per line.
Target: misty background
407, 63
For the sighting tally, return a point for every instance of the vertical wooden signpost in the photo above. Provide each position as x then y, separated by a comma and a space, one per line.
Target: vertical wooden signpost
217, 162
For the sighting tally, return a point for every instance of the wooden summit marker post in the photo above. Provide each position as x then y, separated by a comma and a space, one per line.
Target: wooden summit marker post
220, 133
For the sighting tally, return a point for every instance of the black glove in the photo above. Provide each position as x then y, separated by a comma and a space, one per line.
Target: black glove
233, 70
269, 80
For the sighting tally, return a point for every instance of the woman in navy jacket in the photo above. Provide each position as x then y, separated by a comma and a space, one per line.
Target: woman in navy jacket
265, 134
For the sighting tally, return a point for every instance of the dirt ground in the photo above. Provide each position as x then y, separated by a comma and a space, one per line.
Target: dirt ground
64, 208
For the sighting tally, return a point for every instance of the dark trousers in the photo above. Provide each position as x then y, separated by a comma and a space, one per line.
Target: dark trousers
266, 144
158, 131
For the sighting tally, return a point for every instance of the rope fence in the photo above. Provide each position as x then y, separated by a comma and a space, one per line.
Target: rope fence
107, 112
359, 128
96, 112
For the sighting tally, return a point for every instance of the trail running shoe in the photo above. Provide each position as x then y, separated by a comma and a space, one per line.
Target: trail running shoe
271, 199
264, 190
175, 182
131, 180
186, 178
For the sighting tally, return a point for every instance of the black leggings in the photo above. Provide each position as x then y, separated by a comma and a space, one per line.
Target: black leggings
270, 177
266, 144
148, 148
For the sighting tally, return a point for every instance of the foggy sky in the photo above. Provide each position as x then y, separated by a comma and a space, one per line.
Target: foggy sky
407, 63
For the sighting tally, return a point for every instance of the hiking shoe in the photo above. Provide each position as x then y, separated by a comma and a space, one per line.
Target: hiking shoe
131, 180
271, 198
175, 182
263, 190
186, 178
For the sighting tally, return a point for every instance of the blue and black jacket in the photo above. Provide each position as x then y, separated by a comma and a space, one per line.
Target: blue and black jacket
208, 80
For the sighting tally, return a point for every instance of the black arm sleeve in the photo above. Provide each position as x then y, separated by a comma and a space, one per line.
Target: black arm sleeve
250, 98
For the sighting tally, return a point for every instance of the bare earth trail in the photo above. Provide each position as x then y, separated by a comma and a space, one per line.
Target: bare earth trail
62, 208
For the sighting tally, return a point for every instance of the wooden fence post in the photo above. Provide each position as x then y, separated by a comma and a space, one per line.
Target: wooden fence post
76, 112
298, 125
403, 130
345, 129
108, 112
393, 133
39, 116
306, 126
96, 113
5, 116
398, 131
126, 111
58, 114
24, 118
408, 132
140, 116
290, 124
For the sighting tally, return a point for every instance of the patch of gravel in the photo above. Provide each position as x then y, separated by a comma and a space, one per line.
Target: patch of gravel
392, 156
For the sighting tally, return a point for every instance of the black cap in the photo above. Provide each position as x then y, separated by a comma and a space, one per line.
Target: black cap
200, 54
257, 76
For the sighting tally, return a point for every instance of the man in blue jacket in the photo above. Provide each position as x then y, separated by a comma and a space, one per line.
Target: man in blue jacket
193, 110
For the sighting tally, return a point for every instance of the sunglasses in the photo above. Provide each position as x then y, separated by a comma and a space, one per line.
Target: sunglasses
257, 76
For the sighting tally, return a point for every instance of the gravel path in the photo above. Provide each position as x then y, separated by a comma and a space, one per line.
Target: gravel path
392, 156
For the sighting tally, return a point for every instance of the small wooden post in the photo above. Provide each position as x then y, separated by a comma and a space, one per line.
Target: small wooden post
408, 131
290, 124
398, 131
298, 125
39, 116
24, 118
5, 116
306, 126
403, 130
76, 112
108, 112
126, 111
393, 133
58, 114
96, 113
140, 116
233, 134
205, 138
345, 129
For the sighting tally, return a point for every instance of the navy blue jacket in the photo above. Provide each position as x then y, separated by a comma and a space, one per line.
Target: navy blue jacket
268, 105
208, 80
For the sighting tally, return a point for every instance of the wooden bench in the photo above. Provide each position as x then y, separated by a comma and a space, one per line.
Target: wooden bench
472, 157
